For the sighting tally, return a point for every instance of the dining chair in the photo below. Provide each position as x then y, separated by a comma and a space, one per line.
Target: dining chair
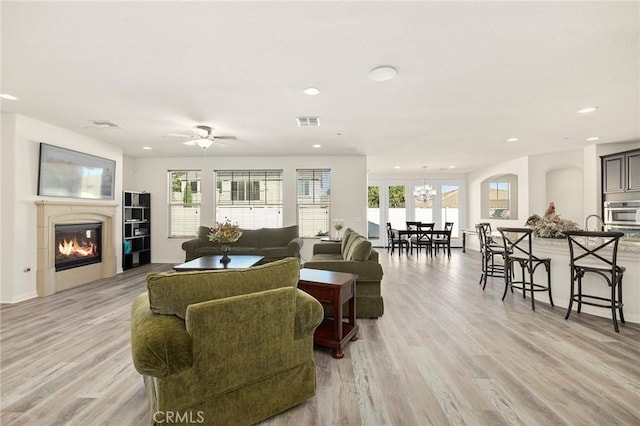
596, 253
517, 243
444, 240
394, 240
423, 240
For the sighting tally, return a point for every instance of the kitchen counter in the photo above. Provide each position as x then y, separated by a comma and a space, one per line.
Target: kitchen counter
558, 251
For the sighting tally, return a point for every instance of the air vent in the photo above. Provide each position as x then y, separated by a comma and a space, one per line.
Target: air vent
308, 121
103, 124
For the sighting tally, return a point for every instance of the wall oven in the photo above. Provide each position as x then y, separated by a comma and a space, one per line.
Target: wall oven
623, 216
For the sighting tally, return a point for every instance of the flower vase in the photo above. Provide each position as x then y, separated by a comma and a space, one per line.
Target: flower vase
225, 249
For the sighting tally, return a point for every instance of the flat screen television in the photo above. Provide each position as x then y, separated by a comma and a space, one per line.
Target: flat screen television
67, 173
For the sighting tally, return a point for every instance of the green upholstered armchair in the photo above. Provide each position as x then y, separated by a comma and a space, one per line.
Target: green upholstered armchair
225, 347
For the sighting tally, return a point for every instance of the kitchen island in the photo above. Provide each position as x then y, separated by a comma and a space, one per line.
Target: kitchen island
558, 251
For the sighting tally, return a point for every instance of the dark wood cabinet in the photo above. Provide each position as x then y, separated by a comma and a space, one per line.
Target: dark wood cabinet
633, 171
613, 173
136, 229
621, 172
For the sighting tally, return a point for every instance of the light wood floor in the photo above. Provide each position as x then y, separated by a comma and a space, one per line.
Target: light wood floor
445, 352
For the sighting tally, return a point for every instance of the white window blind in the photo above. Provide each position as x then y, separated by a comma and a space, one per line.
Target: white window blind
252, 198
314, 201
184, 202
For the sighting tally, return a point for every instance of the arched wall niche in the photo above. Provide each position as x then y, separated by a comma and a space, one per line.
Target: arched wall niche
565, 187
499, 197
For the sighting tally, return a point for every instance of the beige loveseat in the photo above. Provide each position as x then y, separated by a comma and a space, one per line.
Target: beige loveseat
225, 347
354, 255
272, 243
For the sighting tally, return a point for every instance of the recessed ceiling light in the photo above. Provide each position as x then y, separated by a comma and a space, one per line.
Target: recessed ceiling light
311, 91
512, 140
587, 110
8, 97
147, 147
317, 145
382, 73
594, 138
452, 167
396, 167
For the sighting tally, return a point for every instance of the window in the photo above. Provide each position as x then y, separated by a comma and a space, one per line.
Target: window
500, 197
252, 198
184, 202
314, 202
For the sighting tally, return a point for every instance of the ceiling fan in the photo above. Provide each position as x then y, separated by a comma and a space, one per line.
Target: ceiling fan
204, 137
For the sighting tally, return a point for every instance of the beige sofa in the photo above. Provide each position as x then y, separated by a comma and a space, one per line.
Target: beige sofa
354, 255
272, 243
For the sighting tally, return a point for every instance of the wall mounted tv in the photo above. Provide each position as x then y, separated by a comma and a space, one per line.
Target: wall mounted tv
73, 174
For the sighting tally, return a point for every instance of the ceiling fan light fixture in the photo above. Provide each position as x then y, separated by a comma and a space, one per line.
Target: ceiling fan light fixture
204, 143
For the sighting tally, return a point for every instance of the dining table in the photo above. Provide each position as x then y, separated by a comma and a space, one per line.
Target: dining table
432, 234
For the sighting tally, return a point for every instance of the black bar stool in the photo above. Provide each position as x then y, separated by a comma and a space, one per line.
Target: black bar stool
596, 253
517, 247
489, 251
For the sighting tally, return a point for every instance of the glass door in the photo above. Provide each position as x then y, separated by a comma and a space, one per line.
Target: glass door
450, 209
373, 215
397, 211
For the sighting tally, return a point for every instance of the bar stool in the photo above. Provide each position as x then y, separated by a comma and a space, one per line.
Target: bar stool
489, 252
517, 247
599, 258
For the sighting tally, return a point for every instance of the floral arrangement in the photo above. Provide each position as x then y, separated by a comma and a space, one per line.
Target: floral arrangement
225, 233
551, 225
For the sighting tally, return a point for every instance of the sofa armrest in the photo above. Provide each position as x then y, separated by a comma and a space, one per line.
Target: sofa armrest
294, 246
189, 247
327, 248
160, 344
309, 314
365, 269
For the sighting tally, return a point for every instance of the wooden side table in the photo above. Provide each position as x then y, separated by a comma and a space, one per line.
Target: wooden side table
332, 289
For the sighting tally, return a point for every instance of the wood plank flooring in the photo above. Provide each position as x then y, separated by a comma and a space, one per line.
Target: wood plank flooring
444, 353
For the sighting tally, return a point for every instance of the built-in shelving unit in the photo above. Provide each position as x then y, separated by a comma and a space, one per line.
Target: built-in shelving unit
136, 229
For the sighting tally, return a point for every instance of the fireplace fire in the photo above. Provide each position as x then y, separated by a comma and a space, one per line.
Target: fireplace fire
77, 244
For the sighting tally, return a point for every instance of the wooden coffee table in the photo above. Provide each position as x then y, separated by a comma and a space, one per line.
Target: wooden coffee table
332, 289
207, 263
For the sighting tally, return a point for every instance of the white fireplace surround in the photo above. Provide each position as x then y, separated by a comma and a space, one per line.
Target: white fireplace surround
51, 213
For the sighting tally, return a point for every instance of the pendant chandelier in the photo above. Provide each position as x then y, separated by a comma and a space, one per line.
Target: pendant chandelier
424, 192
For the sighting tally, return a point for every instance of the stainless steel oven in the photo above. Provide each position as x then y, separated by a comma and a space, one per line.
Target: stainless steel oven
622, 213
623, 216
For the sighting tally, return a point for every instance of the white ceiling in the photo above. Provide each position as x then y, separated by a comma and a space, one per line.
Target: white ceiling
470, 76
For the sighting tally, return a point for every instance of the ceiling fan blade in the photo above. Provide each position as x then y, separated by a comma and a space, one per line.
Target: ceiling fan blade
225, 137
178, 135
191, 142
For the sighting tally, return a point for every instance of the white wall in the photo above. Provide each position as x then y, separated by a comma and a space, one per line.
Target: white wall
20, 159
348, 192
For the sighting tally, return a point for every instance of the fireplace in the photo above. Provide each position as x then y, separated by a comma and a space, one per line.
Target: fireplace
52, 214
77, 244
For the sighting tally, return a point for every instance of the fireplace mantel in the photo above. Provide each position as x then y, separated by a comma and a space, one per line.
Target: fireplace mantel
51, 213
